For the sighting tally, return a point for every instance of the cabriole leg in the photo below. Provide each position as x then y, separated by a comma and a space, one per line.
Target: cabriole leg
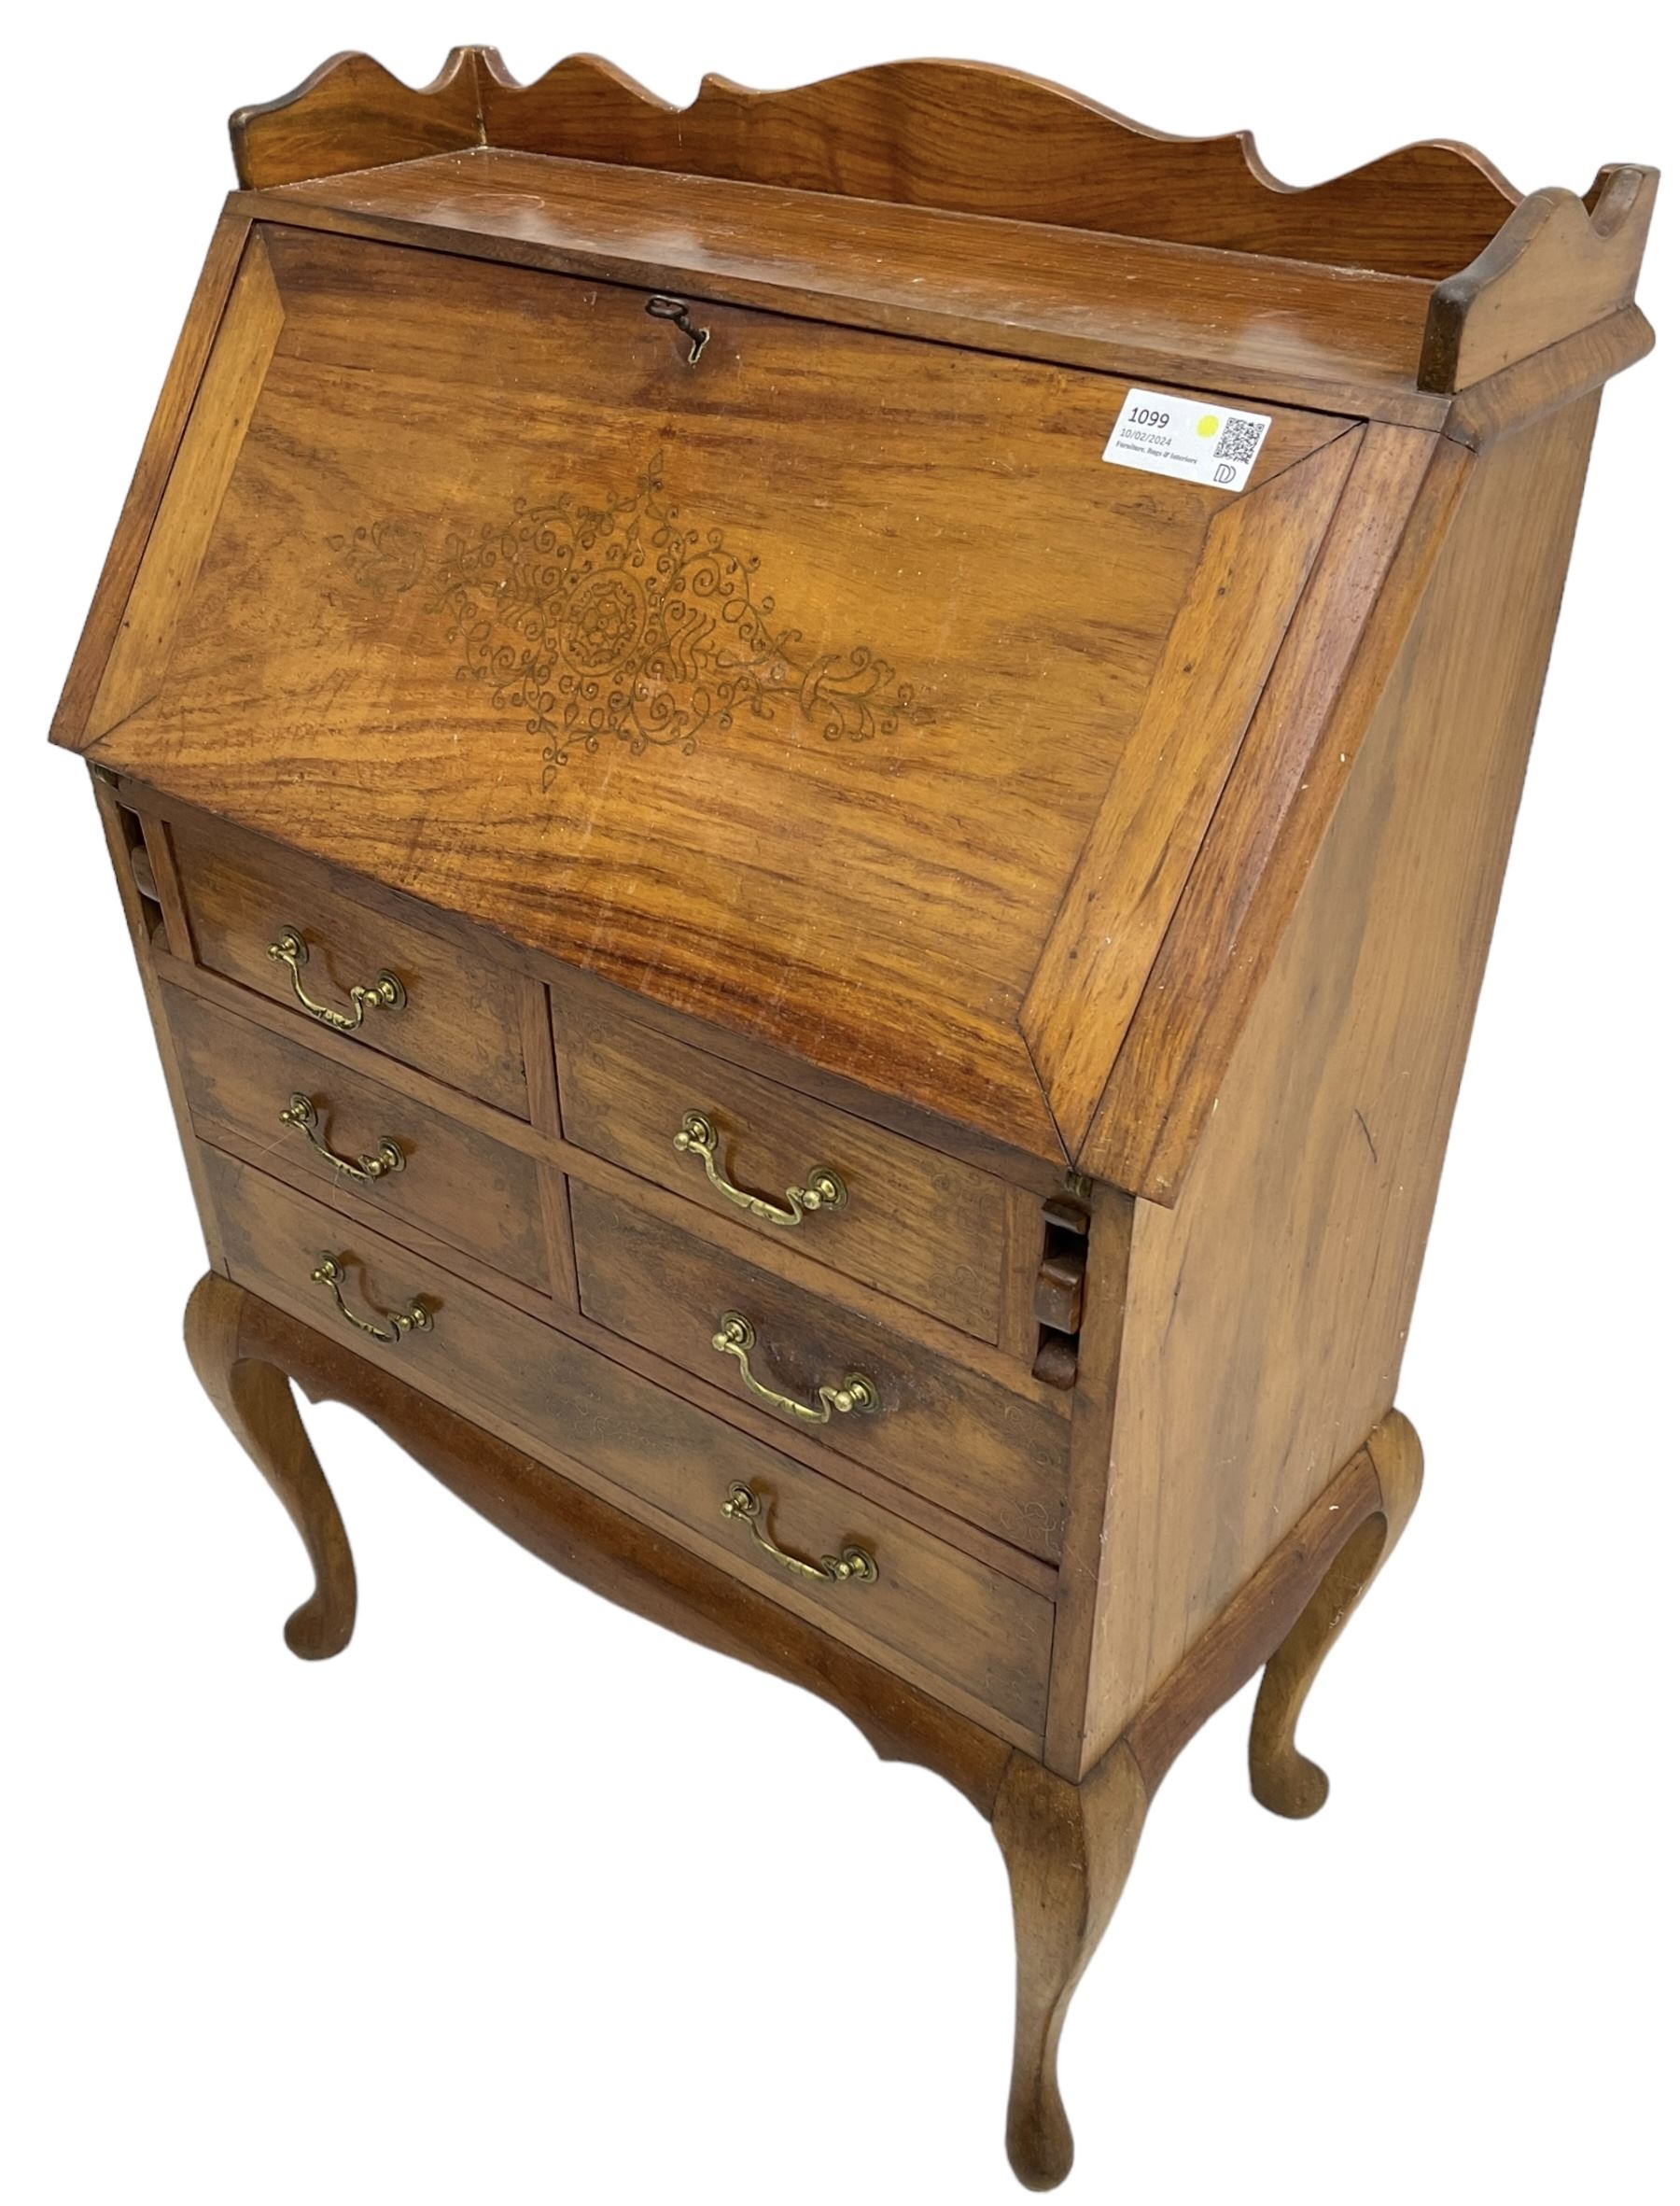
1281, 1776
1069, 1848
255, 1399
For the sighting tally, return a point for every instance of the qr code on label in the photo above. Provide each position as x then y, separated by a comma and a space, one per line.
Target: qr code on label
1240, 439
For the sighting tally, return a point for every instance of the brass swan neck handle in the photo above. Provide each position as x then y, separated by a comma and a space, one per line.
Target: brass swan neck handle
300, 1112
735, 1336
330, 1272
852, 1566
823, 1190
387, 994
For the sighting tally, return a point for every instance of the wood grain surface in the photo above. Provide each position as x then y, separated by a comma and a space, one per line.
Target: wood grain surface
1283, 788
679, 674
1509, 276
462, 1021
1157, 806
1294, 332
479, 1195
1267, 1314
1279, 1776
99, 636
1558, 265
947, 1615
984, 1452
649, 579
256, 1404
918, 1226
557, 1514
960, 136
193, 497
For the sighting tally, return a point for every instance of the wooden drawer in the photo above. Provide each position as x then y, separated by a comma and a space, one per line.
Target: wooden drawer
951, 1620
914, 1224
459, 1185
996, 1457
460, 1020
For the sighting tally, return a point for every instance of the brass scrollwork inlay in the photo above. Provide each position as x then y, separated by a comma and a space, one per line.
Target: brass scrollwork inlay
288, 949
620, 623
300, 1112
735, 1336
822, 1189
852, 1566
328, 1272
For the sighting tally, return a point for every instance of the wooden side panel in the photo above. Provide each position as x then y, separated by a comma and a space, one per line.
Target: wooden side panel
145, 933
1090, 1471
1256, 558
1547, 380
1283, 788
204, 468
156, 456
1267, 1313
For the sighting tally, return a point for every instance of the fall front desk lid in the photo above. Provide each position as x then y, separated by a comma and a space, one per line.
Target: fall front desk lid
833, 687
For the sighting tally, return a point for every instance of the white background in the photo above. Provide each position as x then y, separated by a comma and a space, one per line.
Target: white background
522, 1900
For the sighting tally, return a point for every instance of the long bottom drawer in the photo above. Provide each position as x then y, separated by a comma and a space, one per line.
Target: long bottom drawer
954, 1621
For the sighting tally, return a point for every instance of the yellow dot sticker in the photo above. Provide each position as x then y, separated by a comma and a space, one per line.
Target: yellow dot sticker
1208, 425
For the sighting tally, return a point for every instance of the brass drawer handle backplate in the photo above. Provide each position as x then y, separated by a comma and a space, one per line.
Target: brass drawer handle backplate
823, 1190
852, 1566
300, 1112
735, 1336
387, 994
328, 1272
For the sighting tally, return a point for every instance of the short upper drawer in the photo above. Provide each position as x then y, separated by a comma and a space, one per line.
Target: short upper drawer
887, 1212
458, 1017
987, 1451
948, 1615
369, 1151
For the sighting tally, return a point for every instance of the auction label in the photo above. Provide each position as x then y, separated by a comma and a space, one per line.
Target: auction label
1186, 438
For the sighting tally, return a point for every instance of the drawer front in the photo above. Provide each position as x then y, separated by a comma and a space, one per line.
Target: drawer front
459, 1018
952, 1617
990, 1454
918, 1226
449, 1181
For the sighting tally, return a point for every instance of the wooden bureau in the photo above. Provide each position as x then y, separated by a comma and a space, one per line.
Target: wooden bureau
811, 792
